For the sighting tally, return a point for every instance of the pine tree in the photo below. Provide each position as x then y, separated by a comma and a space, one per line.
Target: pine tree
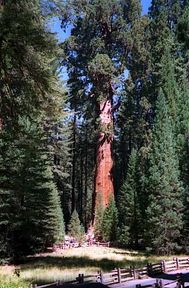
129, 207
164, 212
75, 229
30, 215
59, 145
28, 183
164, 16
27, 51
183, 151
174, 82
110, 221
135, 115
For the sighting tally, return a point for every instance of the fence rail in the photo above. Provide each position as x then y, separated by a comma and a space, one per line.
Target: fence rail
120, 275
67, 245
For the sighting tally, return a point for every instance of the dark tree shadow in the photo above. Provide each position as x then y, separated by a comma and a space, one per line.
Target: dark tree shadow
62, 262
70, 262
176, 276
85, 285
80, 262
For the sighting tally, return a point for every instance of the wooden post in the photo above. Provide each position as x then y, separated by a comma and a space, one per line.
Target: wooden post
119, 275
177, 263
101, 277
80, 278
161, 283
135, 274
163, 266
156, 285
98, 276
149, 269
178, 285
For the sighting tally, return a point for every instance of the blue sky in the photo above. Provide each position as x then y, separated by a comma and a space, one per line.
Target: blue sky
145, 5
55, 24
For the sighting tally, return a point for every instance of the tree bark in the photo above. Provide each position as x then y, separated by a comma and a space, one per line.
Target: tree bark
104, 161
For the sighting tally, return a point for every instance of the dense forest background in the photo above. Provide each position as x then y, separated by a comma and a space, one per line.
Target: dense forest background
49, 131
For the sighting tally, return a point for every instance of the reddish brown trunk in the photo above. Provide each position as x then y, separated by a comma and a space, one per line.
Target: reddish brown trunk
104, 162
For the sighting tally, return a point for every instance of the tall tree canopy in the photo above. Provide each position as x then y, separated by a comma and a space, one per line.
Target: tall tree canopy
165, 190
121, 129
95, 55
30, 216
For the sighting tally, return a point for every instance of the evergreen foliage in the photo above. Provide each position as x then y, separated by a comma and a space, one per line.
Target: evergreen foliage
30, 216
49, 139
26, 53
60, 142
129, 206
34, 218
133, 126
75, 229
95, 55
164, 212
110, 221
173, 79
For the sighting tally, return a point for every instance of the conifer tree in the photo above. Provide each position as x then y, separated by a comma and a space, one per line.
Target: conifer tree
30, 215
95, 55
183, 150
27, 51
60, 142
75, 229
164, 212
174, 82
129, 207
110, 221
28, 183
164, 16
135, 115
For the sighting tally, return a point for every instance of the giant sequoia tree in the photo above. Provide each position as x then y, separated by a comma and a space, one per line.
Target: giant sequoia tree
95, 55
115, 58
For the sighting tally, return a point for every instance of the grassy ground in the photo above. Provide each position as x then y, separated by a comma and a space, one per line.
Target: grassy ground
67, 264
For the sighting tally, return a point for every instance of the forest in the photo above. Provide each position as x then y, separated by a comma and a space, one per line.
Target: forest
108, 147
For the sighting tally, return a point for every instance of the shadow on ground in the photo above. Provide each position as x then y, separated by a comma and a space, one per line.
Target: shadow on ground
176, 276
70, 262
89, 285
78, 262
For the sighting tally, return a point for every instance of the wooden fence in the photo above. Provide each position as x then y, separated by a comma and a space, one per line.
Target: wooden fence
120, 275
66, 245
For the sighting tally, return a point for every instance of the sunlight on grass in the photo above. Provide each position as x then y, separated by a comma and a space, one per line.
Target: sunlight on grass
9, 280
65, 265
